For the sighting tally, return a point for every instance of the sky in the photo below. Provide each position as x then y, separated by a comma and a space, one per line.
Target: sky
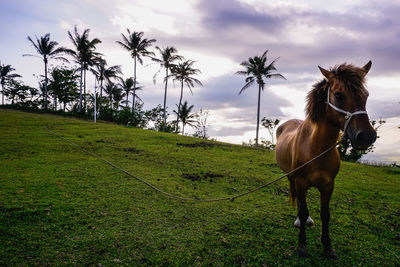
219, 35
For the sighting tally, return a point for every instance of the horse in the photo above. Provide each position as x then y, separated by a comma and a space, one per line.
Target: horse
334, 104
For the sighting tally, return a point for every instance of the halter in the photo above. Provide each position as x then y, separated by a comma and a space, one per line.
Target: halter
348, 116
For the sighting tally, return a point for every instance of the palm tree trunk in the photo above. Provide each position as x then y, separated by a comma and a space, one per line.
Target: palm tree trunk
80, 92
101, 88
179, 107
134, 86
2, 94
84, 91
127, 98
165, 99
45, 84
183, 128
258, 113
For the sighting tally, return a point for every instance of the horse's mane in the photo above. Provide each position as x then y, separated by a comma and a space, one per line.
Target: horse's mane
351, 76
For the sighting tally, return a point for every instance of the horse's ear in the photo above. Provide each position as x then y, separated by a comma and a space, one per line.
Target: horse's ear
367, 67
316, 101
329, 75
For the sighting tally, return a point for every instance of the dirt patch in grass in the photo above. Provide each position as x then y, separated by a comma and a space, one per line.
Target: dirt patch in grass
202, 176
202, 144
132, 150
104, 141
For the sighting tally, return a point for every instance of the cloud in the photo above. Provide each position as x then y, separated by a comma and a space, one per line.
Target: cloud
303, 38
222, 93
230, 131
383, 109
225, 15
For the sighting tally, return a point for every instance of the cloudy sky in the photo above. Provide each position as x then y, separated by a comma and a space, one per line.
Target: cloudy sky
219, 35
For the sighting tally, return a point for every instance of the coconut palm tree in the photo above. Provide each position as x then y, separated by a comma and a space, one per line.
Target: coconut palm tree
167, 58
47, 50
5, 78
137, 46
184, 72
185, 115
118, 96
256, 70
127, 86
84, 55
110, 89
104, 73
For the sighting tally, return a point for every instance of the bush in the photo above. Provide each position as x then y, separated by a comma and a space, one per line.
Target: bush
124, 116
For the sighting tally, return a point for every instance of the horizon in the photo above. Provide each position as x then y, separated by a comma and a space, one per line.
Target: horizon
219, 36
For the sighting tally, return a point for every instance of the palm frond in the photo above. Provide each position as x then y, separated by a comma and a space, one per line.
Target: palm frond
275, 75
241, 72
271, 66
123, 45
247, 85
33, 43
30, 55
264, 55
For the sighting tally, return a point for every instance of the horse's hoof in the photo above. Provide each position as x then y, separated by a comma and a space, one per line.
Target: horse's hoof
309, 222
297, 222
302, 252
330, 253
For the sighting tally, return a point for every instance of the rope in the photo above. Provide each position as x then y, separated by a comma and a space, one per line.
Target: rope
191, 199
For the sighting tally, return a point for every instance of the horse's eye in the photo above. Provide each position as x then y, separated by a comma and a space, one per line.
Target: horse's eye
338, 96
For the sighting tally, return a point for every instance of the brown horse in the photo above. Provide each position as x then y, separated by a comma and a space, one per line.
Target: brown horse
336, 103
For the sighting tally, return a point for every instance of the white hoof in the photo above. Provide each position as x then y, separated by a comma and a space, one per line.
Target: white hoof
309, 222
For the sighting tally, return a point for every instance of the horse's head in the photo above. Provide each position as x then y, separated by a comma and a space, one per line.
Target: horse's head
345, 104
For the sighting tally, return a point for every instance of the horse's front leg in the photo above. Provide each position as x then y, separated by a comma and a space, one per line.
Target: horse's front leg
309, 222
326, 193
303, 214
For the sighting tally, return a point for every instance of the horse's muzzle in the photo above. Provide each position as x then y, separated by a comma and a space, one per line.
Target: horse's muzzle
363, 139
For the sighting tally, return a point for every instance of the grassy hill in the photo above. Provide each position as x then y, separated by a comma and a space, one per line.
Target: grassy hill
61, 206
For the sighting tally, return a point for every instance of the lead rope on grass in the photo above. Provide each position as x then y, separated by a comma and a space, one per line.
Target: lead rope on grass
191, 199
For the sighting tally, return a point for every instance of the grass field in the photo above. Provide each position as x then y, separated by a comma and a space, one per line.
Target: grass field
60, 206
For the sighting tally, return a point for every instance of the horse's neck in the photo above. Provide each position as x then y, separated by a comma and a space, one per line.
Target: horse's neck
324, 135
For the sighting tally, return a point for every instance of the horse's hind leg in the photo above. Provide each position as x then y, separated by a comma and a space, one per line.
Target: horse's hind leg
301, 191
326, 193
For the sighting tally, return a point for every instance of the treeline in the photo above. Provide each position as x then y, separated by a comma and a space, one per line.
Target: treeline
63, 88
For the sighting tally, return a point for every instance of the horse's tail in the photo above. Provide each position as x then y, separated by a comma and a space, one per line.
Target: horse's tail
292, 191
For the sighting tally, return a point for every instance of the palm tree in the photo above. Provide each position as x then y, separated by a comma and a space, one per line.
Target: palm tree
47, 50
118, 95
110, 91
84, 55
104, 73
256, 70
186, 116
5, 77
167, 58
137, 46
127, 86
183, 72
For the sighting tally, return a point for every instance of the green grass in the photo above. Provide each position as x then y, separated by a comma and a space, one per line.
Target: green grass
59, 206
